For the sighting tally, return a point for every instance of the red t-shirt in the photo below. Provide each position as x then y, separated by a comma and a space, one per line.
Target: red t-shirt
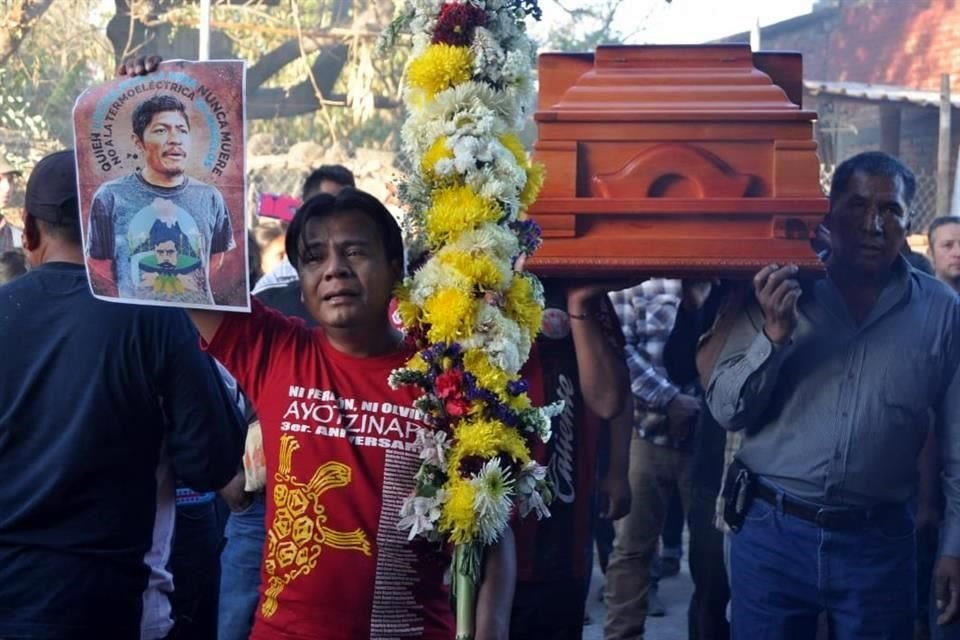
338, 443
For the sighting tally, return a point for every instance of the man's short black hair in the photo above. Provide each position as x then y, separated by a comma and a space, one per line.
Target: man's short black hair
350, 200
873, 163
67, 232
942, 221
145, 111
336, 173
162, 232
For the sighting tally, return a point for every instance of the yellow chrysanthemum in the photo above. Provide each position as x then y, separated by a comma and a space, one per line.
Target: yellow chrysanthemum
449, 312
513, 144
418, 364
458, 518
519, 403
536, 173
522, 306
440, 67
408, 311
487, 439
486, 374
455, 210
479, 269
438, 151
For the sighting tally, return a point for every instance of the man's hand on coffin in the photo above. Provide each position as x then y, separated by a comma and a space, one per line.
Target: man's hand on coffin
583, 296
777, 291
682, 414
139, 66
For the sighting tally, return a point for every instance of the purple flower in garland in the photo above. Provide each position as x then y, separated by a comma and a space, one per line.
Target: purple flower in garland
528, 233
456, 23
517, 387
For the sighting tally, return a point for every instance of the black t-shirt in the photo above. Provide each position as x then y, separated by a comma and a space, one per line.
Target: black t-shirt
89, 392
558, 547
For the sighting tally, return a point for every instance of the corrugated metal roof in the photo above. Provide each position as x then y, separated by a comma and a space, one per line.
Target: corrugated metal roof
878, 93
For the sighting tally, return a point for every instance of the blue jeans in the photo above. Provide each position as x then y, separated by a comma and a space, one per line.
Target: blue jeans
195, 565
240, 570
785, 571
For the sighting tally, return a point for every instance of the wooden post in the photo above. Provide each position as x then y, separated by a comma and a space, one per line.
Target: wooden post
890, 129
943, 148
204, 29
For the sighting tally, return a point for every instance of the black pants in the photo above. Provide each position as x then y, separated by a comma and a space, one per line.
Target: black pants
548, 610
707, 619
195, 565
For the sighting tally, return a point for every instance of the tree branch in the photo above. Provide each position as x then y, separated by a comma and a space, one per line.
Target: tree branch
15, 25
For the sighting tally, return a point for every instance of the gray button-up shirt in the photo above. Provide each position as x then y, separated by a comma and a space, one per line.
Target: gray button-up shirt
839, 415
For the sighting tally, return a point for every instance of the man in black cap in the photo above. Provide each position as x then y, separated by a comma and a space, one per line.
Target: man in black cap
94, 399
9, 237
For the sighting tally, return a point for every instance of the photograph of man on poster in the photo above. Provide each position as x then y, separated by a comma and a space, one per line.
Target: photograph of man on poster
141, 221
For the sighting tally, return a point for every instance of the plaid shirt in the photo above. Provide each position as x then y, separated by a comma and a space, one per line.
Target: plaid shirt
647, 313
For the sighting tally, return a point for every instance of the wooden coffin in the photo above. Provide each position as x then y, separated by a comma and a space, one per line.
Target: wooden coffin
675, 161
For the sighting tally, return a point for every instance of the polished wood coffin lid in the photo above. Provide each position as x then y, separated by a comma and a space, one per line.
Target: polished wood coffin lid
675, 160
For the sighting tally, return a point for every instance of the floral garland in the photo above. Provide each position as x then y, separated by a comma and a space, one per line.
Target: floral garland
473, 315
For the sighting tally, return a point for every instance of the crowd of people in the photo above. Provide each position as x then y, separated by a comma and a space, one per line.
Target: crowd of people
204, 474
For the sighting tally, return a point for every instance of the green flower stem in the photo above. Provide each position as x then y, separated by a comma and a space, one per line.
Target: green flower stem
466, 578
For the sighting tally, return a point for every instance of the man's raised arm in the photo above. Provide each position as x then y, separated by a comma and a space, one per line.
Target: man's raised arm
747, 369
207, 322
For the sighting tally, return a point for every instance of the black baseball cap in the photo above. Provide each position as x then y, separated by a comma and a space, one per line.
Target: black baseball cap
52, 189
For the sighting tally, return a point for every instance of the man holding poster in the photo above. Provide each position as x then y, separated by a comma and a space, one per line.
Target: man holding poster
160, 199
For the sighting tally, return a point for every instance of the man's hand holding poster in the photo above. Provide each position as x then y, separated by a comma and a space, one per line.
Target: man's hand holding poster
162, 184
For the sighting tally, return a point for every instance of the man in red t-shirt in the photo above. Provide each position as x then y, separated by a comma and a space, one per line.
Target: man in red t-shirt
338, 443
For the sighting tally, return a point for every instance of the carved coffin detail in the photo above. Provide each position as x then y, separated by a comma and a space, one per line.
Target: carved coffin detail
674, 160
674, 171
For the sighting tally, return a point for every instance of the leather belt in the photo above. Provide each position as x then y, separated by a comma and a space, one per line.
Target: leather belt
824, 517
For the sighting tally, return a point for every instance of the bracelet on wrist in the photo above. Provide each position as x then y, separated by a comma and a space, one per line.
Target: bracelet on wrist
586, 315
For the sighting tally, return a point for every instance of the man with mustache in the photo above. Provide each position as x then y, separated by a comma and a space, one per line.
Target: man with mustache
160, 189
167, 269
832, 383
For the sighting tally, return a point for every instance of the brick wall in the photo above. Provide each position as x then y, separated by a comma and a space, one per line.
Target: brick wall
900, 42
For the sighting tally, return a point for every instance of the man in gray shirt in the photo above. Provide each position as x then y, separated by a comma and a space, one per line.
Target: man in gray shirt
126, 209
833, 383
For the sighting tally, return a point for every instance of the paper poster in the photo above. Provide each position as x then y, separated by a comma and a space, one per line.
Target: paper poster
162, 180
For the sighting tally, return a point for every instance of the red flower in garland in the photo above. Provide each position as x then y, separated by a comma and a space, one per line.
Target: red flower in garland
456, 23
449, 388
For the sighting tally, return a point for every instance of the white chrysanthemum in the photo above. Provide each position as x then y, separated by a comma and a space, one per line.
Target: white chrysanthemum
425, 17
419, 514
488, 183
470, 151
493, 500
433, 447
505, 343
493, 239
532, 477
546, 416
393, 381
432, 277
488, 56
468, 109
